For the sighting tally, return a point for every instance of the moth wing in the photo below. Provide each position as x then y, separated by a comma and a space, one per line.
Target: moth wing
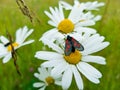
68, 47
77, 45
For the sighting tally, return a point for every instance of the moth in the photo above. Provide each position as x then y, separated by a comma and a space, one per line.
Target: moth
71, 45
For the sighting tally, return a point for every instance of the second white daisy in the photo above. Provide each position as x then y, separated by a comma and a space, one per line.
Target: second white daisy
45, 78
77, 61
5, 45
77, 22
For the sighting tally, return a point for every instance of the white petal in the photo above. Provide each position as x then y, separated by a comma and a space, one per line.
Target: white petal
56, 37
45, 55
4, 40
94, 72
90, 72
55, 14
93, 40
25, 43
40, 76
58, 80
3, 49
22, 34
75, 13
76, 2
85, 30
3, 54
50, 16
49, 70
78, 78
93, 5
58, 83
101, 46
43, 72
57, 70
96, 48
86, 23
49, 33
38, 84
67, 79
42, 88
37, 75
28, 34
52, 23
61, 14
7, 58
52, 45
51, 63
65, 5
18, 33
52, 32
94, 59
97, 18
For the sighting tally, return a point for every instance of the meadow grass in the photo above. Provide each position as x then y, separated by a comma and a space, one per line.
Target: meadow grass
11, 19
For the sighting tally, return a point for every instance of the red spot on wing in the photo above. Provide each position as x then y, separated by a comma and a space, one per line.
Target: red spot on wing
75, 43
68, 47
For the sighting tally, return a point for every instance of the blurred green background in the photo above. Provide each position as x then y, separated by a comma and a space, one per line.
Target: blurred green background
11, 19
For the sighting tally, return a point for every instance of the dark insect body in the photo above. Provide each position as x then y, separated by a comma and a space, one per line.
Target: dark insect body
7, 44
71, 45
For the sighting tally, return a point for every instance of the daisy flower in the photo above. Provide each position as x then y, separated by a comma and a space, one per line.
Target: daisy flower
75, 23
45, 78
76, 63
88, 5
5, 45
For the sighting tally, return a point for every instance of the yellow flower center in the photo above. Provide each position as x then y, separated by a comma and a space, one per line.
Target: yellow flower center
49, 80
9, 48
66, 26
74, 57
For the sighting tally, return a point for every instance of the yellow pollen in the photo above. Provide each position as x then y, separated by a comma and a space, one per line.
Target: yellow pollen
82, 20
66, 26
78, 5
49, 80
9, 48
74, 57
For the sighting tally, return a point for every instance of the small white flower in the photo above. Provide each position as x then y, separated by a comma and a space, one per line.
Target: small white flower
88, 5
93, 5
75, 23
77, 62
5, 47
45, 78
